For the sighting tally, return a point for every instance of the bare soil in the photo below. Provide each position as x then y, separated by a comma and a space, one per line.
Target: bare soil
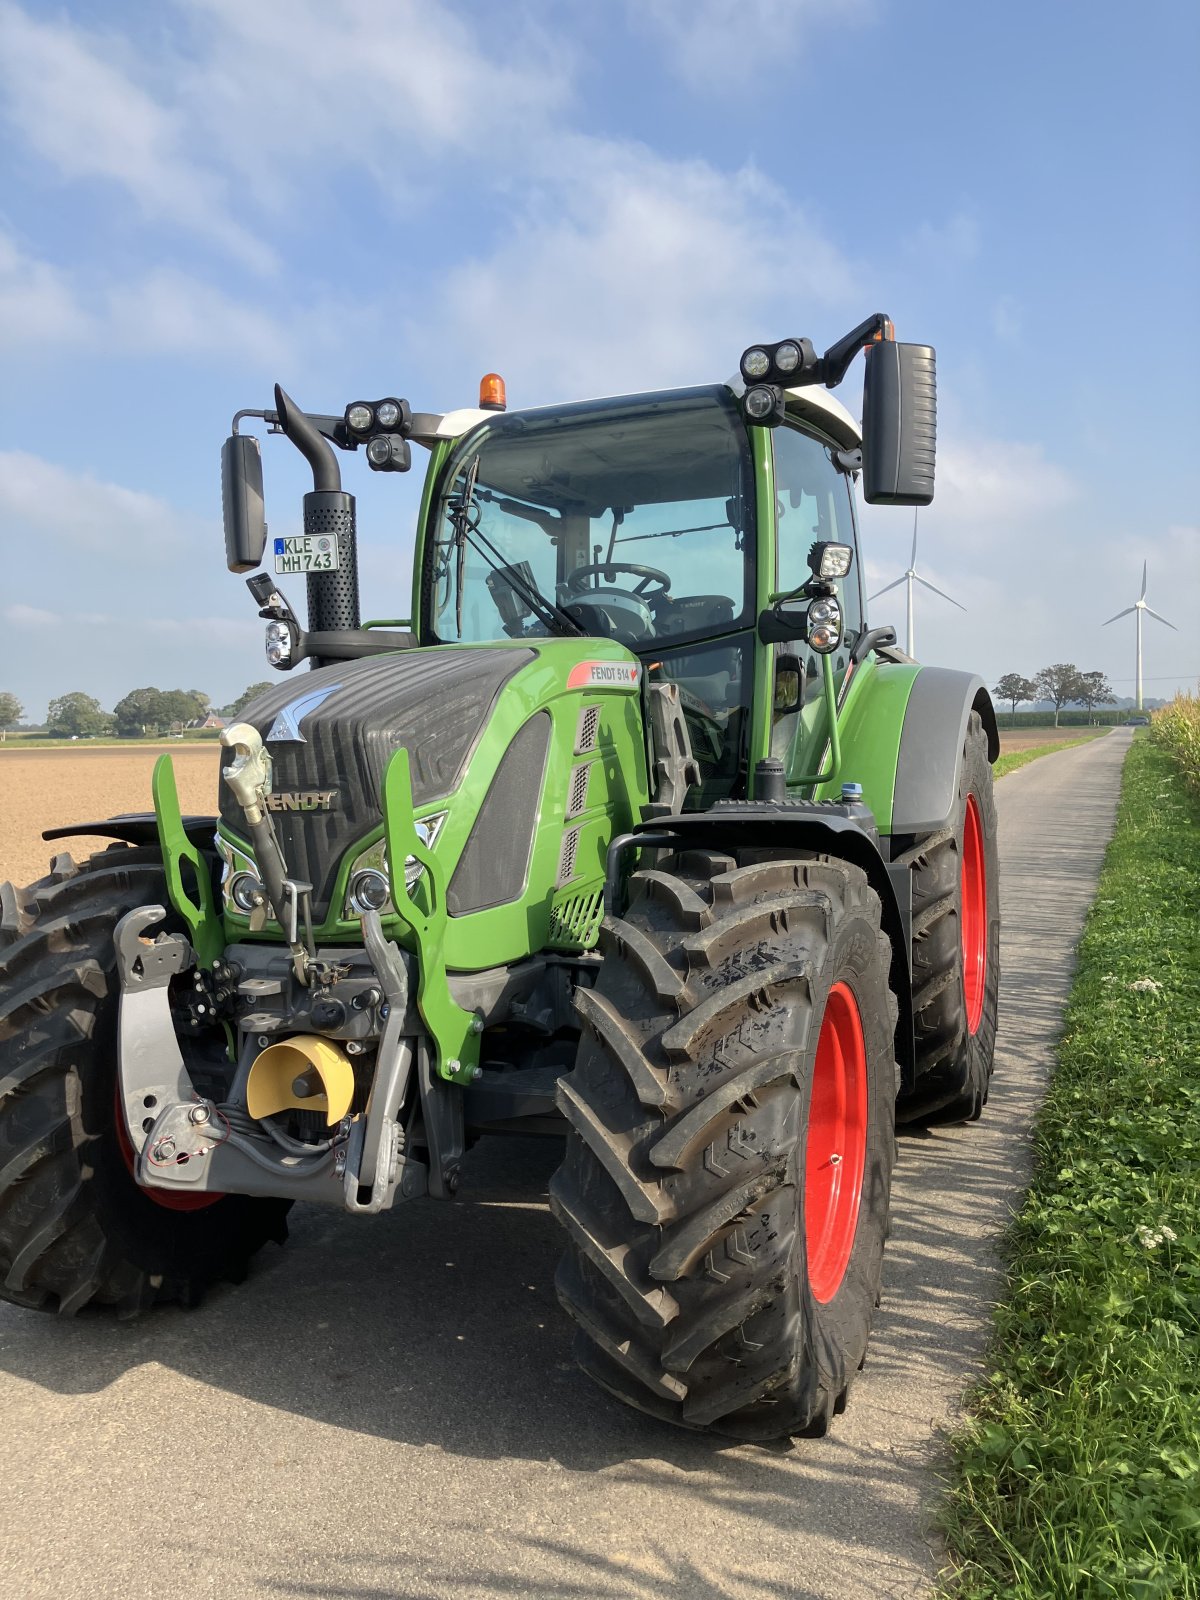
51, 788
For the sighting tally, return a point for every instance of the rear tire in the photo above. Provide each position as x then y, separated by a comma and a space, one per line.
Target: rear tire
723, 1270
956, 950
75, 1228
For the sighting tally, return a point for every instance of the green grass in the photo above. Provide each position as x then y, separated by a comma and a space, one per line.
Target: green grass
1022, 758
1079, 1474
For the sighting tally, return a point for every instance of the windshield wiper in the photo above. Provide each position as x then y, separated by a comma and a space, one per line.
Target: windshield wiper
467, 531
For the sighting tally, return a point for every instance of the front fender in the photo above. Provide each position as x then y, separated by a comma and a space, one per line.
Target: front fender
931, 746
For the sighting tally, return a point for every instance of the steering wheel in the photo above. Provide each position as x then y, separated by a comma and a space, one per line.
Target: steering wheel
648, 575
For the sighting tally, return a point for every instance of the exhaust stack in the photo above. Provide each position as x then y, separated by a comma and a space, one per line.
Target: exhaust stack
328, 512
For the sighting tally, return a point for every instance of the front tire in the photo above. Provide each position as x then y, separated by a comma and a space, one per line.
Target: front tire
956, 950
75, 1227
723, 1257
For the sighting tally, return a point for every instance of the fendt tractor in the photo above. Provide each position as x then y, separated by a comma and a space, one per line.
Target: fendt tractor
664, 851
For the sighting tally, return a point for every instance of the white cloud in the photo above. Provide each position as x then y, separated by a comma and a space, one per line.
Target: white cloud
37, 302
998, 482
20, 616
74, 510
952, 243
161, 312
625, 270
74, 106
337, 86
714, 44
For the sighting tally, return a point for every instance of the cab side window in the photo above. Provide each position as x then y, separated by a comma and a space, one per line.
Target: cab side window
812, 502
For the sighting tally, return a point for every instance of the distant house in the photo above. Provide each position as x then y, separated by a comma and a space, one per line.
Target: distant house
211, 721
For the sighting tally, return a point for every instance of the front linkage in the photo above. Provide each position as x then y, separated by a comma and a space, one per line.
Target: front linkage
377, 1007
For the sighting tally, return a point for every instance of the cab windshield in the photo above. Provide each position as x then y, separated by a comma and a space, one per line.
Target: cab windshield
629, 519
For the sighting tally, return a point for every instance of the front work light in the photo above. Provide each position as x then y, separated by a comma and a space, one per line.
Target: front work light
756, 364
279, 644
830, 560
763, 406
388, 452
788, 363
360, 417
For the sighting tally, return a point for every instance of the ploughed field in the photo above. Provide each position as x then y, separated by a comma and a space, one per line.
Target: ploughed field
50, 788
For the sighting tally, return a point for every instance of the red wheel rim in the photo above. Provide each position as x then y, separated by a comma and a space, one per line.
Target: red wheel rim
161, 1197
837, 1144
974, 916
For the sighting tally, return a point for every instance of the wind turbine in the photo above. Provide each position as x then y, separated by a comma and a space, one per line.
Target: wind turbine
910, 577
1137, 608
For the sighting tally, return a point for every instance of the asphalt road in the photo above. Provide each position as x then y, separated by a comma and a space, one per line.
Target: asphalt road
388, 1407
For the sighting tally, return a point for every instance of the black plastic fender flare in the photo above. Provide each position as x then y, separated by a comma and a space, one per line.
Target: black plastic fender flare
931, 744
136, 827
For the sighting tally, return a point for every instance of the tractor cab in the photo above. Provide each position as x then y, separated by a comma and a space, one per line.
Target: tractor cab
647, 519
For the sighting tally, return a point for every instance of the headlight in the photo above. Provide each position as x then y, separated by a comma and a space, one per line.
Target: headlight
245, 891
824, 625
359, 417
369, 887
387, 413
369, 890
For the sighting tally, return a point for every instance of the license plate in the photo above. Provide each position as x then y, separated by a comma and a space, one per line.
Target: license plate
306, 553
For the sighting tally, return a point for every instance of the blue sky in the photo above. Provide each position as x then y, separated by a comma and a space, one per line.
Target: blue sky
202, 197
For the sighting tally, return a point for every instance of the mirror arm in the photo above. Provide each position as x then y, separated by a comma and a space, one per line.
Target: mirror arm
871, 639
835, 363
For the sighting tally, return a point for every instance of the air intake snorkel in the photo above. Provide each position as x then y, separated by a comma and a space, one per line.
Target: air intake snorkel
328, 513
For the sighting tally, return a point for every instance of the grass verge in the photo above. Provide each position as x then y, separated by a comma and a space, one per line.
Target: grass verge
1079, 1473
1022, 758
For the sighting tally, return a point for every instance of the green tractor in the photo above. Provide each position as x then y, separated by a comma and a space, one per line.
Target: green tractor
665, 852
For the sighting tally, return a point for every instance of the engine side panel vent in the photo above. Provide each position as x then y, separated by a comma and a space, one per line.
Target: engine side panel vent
577, 799
566, 857
585, 733
575, 923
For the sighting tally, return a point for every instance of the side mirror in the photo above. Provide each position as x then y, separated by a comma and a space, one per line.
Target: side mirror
899, 424
789, 676
242, 500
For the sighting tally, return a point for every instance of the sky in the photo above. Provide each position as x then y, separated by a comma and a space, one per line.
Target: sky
203, 197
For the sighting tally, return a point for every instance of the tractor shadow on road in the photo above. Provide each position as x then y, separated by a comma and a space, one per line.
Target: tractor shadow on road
437, 1325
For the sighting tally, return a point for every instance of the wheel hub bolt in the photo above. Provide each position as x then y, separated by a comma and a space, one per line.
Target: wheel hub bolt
198, 1114
835, 1160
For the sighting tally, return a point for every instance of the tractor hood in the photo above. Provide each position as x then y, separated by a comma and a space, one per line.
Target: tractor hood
331, 733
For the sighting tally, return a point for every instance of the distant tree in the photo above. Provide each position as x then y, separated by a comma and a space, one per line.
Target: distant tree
235, 707
1014, 688
183, 706
76, 716
141, 711
1059, 684
11, 712
1094, 690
